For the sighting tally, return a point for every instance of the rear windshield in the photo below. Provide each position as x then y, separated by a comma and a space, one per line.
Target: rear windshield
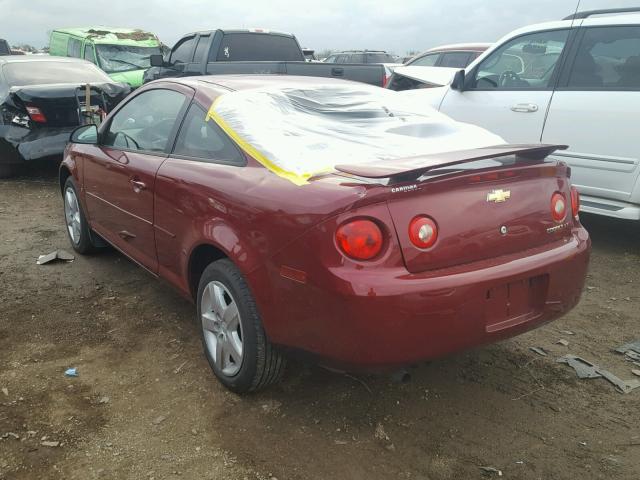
379, 58
44, 72
125, 58
248, 47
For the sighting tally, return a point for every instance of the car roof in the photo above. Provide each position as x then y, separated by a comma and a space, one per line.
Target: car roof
101, 34
472, 47
263, 31
360, 51
39, 58
247, 82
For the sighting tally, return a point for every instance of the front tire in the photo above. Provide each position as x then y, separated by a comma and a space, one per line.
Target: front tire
77, 227
233, 338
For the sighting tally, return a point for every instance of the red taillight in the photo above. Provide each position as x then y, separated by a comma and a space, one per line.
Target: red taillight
385, 79
423, 232
575, 201
558, 207
36, 115
360, 239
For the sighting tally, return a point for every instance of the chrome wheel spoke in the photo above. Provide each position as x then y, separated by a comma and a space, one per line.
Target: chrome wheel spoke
230, 317
209, 322
72, 215
222, 328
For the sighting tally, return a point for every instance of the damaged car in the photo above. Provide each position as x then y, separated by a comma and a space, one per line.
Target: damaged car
326, 216
42, 99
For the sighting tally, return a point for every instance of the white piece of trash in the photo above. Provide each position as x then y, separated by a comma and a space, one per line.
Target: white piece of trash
56, 255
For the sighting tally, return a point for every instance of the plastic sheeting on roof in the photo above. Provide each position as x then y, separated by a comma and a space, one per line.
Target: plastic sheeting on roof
298, 132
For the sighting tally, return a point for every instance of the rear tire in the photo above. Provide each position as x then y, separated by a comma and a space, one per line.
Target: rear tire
78, 230
233, 337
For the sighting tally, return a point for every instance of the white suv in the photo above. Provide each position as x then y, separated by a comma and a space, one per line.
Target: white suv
573, 82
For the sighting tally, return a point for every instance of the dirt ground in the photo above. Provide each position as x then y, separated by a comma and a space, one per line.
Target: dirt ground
145, 405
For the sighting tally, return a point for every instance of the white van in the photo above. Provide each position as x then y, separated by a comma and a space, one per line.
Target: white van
573, 82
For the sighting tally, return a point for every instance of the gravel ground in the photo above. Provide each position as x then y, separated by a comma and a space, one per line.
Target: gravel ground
146, 406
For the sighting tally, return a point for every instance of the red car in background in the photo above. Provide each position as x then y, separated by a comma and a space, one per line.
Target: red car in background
367, 265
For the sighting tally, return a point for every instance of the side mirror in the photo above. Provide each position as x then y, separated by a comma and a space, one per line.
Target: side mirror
156, 60
86, 134
458, 81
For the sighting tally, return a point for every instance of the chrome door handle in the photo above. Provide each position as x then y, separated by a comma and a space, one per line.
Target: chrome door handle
137, 185
524, 107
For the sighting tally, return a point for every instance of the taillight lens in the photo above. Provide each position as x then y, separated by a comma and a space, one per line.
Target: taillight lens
558, 207
423, 231
575, 201
360, 239
36, 115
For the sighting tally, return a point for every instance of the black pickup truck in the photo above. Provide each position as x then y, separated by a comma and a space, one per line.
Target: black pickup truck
217, 52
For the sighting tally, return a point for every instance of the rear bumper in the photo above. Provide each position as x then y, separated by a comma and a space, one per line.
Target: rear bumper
19, 144
395, 318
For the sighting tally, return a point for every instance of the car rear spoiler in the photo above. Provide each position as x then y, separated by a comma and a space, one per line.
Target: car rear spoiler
411, 168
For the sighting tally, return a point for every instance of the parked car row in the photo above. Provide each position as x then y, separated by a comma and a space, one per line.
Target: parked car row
430, 234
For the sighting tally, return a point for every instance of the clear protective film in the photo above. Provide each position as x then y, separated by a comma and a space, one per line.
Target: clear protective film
299, 132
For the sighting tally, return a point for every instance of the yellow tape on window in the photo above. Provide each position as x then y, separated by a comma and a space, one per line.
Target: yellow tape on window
252, 151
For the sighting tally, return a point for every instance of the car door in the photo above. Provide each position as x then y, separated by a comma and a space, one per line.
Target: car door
119, 173
595, 111
509, 91
194, 185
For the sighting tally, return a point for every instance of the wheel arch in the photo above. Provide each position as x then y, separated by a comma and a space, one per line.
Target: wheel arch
201, 256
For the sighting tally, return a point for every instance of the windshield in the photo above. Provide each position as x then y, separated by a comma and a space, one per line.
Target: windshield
124, 58
43, 72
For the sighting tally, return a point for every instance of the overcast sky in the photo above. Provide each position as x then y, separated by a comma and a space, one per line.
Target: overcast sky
394, 25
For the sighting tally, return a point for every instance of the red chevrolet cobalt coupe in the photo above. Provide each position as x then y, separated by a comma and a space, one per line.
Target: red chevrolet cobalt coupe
329, 217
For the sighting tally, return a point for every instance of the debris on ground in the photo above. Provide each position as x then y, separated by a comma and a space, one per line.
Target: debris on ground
633, 346
50, 444
5, 390
71, 372
636, 372
383, 438
539, 351
490, 471
56, 255
159, 420
567, 332
585, 369
104, 400
563, 342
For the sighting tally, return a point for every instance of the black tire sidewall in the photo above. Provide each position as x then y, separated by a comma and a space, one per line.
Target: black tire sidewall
253, 338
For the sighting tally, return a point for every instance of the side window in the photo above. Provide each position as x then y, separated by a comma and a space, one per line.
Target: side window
73, 48
356, 58
426, 61
205, 140
608, 58
201, 48
146, 122
455, 59
89, 54
183, 51
342, 59
526, 62
330, 59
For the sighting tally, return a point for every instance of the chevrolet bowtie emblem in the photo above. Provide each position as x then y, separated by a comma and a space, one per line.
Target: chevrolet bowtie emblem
498, 196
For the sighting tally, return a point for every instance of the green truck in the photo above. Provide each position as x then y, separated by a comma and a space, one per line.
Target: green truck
123, 53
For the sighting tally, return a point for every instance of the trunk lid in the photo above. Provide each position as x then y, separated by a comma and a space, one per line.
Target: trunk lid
60, 103
485, 206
